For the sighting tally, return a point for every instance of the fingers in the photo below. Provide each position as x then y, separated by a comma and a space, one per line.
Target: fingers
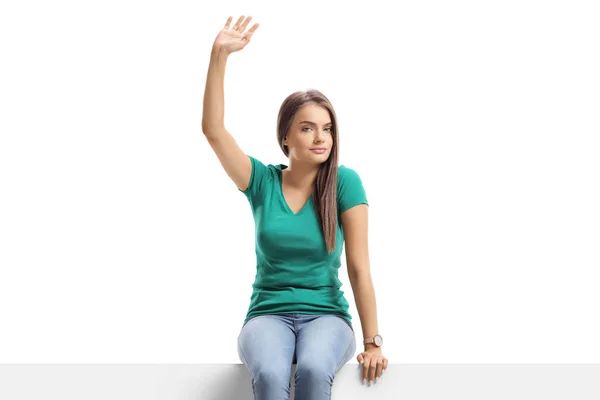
378, 368
248, 34
365, 363
244, 24
365, 373
372, 369
237, 24
251, 31
373, 366
241, 24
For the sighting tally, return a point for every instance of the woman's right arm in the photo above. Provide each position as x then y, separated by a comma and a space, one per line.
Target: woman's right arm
235, 162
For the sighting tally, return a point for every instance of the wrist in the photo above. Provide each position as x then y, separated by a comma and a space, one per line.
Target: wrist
219, 52
370, 346
375, 341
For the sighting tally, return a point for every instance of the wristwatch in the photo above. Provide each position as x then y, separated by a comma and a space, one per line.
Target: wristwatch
377, 339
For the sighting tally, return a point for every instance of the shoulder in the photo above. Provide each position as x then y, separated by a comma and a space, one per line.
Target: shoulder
262, 168
347, 175
261, 176
350, 189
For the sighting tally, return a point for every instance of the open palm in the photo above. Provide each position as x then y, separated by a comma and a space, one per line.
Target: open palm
234, 39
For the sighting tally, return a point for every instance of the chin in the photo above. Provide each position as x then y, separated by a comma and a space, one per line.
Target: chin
317, 158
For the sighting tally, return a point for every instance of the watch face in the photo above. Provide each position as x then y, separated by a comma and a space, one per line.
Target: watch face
378, 340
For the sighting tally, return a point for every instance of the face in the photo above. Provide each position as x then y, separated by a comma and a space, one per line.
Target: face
311, 129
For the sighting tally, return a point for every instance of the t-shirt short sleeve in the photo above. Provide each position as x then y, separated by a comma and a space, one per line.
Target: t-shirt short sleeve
258, 180
350, 189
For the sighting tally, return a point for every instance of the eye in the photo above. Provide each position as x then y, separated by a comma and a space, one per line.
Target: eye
311, 128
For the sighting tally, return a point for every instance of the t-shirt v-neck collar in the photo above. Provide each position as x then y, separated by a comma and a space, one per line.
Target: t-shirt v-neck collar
280, 169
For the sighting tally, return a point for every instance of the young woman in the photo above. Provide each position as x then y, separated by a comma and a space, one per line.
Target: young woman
304, 212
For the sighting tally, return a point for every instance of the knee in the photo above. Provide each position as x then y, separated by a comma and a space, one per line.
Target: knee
271, 374
315, 371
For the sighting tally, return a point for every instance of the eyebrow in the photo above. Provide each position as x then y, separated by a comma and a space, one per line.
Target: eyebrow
312, 123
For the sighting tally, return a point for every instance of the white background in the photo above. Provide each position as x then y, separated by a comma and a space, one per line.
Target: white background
473, 125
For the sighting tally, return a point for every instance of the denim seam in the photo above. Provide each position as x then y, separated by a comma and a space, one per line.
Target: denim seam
352, 340
246, 362
340, 363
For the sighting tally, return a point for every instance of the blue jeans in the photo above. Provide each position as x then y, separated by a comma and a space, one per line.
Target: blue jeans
319, 345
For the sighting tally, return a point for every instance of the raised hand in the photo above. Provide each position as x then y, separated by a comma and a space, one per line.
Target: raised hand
234, 39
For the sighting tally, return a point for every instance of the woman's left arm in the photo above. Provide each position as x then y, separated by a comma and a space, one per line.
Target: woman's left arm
355, 225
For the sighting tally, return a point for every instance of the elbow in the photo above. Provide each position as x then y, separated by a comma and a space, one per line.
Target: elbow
211, 129
205, 127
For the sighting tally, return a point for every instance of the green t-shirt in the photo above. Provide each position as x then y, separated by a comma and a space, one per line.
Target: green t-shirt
294, 273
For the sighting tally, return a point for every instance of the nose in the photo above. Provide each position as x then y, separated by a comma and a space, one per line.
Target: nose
320, 136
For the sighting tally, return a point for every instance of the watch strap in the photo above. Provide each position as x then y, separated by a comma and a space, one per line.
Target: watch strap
372, 340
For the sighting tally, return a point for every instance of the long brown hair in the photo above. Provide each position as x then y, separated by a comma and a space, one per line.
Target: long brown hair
325, 187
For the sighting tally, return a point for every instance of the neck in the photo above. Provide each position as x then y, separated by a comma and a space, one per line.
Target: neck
301, 176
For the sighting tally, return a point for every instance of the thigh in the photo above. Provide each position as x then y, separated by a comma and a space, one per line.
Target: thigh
266, 344
325, 342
